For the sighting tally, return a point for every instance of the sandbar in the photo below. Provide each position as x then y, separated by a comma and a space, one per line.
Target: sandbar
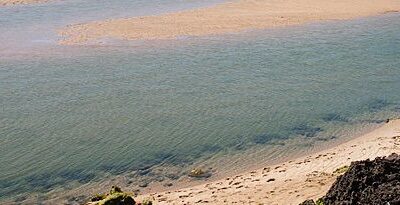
223, 18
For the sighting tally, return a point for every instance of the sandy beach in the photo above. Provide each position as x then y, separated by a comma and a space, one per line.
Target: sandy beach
290, 182
17, 2
224, 18
270, 113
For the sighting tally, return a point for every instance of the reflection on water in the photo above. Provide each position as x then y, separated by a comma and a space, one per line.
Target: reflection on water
110, 109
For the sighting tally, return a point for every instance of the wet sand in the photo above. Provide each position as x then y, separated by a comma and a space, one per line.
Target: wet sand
225, 18
290, 182
18, 2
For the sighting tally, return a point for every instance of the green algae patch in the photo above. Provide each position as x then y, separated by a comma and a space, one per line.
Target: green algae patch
116, 197
321, 201
341, 170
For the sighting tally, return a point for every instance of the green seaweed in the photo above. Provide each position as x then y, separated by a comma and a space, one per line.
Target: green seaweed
98, 197
115, 189
341, 170
320, 202
147, 202
117, 198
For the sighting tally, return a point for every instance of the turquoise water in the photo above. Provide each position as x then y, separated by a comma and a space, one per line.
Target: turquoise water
77, 114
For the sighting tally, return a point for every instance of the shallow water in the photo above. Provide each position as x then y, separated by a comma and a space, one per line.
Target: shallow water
36, 25
79, 113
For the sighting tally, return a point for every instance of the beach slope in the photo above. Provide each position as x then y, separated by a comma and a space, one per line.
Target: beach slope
293, 181
226, 17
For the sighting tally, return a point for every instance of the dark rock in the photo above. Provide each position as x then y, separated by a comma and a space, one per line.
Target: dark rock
98, 197
308, 202
115, 189
199, 173
368, 182
119, 199
115, 197
271, 180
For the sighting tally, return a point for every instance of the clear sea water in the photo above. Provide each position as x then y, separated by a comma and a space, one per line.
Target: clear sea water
77, 114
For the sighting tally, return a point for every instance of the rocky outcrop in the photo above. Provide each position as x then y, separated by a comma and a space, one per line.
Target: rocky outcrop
199, 173
308, 202
373, 182
116, 197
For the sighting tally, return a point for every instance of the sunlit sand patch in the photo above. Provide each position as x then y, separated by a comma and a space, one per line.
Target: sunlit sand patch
225, 18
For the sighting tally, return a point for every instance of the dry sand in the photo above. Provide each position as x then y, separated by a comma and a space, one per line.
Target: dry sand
17, 2
226, 17
291, 182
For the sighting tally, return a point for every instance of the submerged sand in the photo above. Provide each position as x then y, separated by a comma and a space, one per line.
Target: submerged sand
227, 17
17, 2
290, 182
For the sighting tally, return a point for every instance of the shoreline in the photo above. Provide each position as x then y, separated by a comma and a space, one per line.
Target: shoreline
229, 17
289, 182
